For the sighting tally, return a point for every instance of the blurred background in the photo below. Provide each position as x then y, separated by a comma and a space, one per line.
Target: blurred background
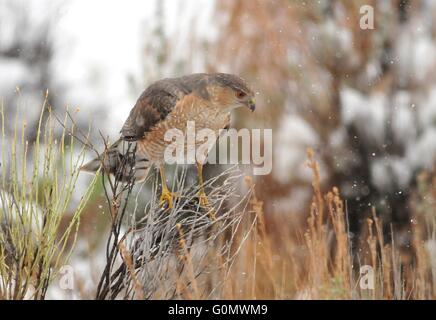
363, 100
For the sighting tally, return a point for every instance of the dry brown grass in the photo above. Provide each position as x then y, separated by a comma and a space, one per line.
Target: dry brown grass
320, 264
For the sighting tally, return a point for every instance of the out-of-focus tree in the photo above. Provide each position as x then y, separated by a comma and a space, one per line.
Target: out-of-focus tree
365, 98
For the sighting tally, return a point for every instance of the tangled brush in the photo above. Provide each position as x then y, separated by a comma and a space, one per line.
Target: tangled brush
162, 253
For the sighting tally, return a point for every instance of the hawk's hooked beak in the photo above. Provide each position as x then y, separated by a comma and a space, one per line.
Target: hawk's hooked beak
251, 104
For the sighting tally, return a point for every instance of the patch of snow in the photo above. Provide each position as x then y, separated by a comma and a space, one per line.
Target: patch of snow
403, 123
422, 153
13, 74
367, 112
291, 139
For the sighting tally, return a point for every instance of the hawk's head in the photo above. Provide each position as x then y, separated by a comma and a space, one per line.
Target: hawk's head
232, 91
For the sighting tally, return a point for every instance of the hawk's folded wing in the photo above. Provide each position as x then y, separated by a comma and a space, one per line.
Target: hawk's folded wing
158, 100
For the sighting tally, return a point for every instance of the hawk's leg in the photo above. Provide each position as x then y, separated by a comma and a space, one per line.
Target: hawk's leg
202, 197
166, 196
201, 194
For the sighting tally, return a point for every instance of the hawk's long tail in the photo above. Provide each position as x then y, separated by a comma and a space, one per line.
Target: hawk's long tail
122, 160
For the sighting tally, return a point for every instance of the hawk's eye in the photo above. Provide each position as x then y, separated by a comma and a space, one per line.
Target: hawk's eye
240, 94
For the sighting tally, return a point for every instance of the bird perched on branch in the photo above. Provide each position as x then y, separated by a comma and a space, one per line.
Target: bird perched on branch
205, 99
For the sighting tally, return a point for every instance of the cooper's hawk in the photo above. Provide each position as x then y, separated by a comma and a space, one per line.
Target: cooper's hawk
205, 99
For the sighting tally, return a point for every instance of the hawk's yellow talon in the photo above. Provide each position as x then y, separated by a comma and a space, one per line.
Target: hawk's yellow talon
204, 202
167, 197
202, 199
